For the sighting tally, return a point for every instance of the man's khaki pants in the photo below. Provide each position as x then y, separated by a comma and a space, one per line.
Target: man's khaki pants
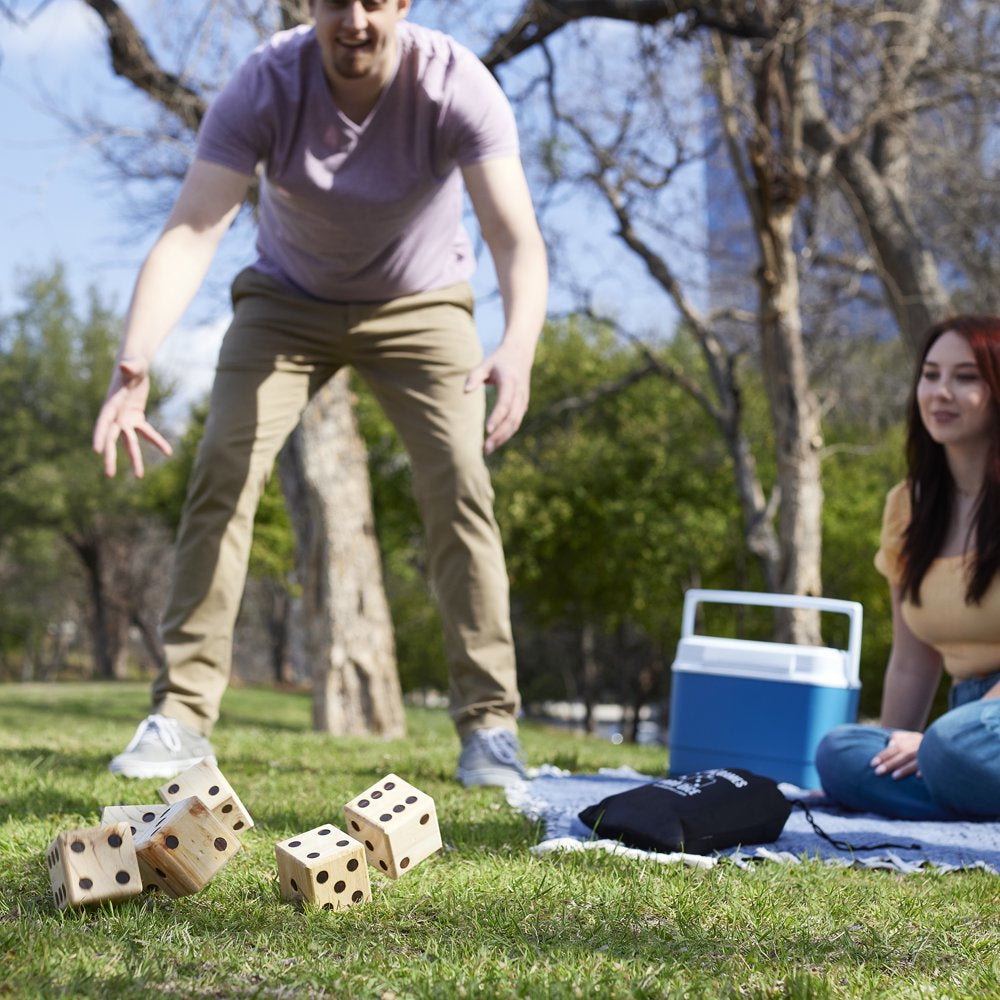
415, 353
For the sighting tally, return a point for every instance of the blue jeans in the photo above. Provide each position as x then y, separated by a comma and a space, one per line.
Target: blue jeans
959, 761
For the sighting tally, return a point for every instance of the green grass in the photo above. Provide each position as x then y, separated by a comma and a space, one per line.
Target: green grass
482, 918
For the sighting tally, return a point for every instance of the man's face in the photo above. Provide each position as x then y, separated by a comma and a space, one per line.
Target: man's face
358, 37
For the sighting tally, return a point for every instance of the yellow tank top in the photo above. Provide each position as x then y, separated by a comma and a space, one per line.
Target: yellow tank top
966, 635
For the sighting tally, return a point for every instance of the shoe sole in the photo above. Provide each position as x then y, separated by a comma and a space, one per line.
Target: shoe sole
489, 778
155, 769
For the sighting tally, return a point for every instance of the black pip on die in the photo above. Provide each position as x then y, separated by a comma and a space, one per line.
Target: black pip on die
324, 867
396, 822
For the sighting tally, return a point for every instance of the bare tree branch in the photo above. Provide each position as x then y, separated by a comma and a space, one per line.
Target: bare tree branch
132, 60
541, 18
571, 405
11, 14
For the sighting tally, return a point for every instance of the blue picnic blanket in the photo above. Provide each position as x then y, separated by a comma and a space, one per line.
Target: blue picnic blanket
555, 798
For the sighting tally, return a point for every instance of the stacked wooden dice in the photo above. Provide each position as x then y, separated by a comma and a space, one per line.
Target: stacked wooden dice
392, 827
178, 847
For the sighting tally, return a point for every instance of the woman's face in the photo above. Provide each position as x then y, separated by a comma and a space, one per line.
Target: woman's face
952, 396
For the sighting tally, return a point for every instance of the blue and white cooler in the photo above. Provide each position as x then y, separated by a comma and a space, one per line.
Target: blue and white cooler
762, 706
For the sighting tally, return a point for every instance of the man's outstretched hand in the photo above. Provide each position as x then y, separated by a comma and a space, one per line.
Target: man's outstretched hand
510, 374
123, 415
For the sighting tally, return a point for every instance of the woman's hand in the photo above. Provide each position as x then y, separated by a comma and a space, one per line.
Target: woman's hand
899, 758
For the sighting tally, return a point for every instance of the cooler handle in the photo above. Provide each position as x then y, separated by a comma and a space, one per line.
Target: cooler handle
852, 609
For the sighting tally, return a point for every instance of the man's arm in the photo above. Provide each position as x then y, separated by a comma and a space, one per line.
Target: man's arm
168, 279
502, 203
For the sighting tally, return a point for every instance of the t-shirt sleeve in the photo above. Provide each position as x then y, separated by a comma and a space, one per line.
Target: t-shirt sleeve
895, 521
235, 132
480, 120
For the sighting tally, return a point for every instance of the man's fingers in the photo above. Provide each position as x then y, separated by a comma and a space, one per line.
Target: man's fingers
153, 436
133, 450
499, 415
483, 372
102, 428
100, 433
510, 405
503, 425
109, 429
110, 450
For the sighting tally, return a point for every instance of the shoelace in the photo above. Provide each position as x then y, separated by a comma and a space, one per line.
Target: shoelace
156, 727
503, 745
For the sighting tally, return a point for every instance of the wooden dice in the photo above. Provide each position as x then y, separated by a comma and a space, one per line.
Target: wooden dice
184, 849
324, 867
93, 865
396, 822
207, 782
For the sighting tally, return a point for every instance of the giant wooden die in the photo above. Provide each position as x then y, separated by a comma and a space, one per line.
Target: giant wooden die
185, 848
396, 822
93, 865
325, 867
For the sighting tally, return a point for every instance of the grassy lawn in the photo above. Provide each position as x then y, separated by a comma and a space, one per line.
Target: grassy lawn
482, 918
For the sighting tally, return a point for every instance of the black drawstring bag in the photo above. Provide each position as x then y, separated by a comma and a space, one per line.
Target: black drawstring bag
695, 813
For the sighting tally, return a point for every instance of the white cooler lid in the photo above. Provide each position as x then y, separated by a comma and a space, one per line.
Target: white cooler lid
773, 661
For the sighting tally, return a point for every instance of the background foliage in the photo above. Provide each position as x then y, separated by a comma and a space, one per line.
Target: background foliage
612, 504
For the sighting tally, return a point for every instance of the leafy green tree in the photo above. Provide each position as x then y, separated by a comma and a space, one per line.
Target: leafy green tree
612, 500
38, 613
617, 496
55, 365
857, 476
616, 501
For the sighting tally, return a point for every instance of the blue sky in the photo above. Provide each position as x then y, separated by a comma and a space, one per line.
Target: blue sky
46, 209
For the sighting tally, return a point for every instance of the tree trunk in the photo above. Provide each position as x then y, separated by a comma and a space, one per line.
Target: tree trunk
108, 623
795, 418
774, 152
279, 612
768, 163
591, 674
349, 640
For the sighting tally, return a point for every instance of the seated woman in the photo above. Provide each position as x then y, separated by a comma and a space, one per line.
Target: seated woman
940, 551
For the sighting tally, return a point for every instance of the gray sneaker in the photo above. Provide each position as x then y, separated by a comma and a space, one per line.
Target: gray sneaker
491, 757
161, 748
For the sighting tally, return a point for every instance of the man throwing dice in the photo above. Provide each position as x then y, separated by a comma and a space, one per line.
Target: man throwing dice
365, 128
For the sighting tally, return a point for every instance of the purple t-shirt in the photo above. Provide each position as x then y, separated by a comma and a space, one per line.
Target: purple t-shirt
361, 213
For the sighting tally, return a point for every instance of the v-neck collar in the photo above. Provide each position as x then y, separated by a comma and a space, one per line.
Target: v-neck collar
357, 128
